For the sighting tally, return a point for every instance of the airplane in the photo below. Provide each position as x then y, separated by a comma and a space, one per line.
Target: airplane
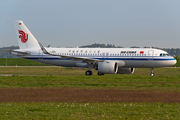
104, 60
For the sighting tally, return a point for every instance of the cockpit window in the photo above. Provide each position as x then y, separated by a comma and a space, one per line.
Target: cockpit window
164, 54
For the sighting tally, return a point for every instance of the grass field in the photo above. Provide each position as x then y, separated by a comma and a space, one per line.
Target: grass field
74, 77
66, 93
19, 62
56, 111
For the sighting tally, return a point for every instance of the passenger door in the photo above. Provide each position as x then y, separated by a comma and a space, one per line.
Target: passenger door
150, 54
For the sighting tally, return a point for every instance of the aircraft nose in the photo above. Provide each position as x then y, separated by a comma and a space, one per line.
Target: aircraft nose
173, 62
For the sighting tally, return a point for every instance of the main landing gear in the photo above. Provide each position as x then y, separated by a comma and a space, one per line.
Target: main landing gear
88, 72
152, 72
100, 73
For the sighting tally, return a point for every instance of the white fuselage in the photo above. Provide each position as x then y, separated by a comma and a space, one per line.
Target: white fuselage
125, 57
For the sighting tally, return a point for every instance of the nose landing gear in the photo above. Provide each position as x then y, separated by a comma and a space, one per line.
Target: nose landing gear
152, 72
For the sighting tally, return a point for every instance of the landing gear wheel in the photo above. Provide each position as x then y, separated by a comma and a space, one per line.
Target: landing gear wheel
100, 73
88, 72
152, 74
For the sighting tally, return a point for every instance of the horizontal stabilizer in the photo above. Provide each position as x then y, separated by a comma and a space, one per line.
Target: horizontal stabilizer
18, 52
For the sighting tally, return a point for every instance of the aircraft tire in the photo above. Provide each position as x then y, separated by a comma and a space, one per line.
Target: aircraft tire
100, 73
152, 74
88, 72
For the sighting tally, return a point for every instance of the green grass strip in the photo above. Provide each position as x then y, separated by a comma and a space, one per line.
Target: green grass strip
51, 110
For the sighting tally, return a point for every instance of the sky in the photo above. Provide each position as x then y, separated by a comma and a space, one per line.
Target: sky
72, 23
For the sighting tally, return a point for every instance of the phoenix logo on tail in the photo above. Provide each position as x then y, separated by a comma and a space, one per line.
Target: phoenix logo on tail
23, 36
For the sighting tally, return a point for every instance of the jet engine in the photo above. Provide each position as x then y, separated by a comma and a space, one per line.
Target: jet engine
107, 67
125, 71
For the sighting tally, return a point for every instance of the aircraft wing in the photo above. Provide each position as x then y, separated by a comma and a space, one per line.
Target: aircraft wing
84, 59
18, 52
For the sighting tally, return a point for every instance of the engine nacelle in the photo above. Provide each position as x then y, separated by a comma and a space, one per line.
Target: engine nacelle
125, 71
108, 67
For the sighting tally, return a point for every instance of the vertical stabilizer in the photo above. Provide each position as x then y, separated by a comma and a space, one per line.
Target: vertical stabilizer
25, 38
